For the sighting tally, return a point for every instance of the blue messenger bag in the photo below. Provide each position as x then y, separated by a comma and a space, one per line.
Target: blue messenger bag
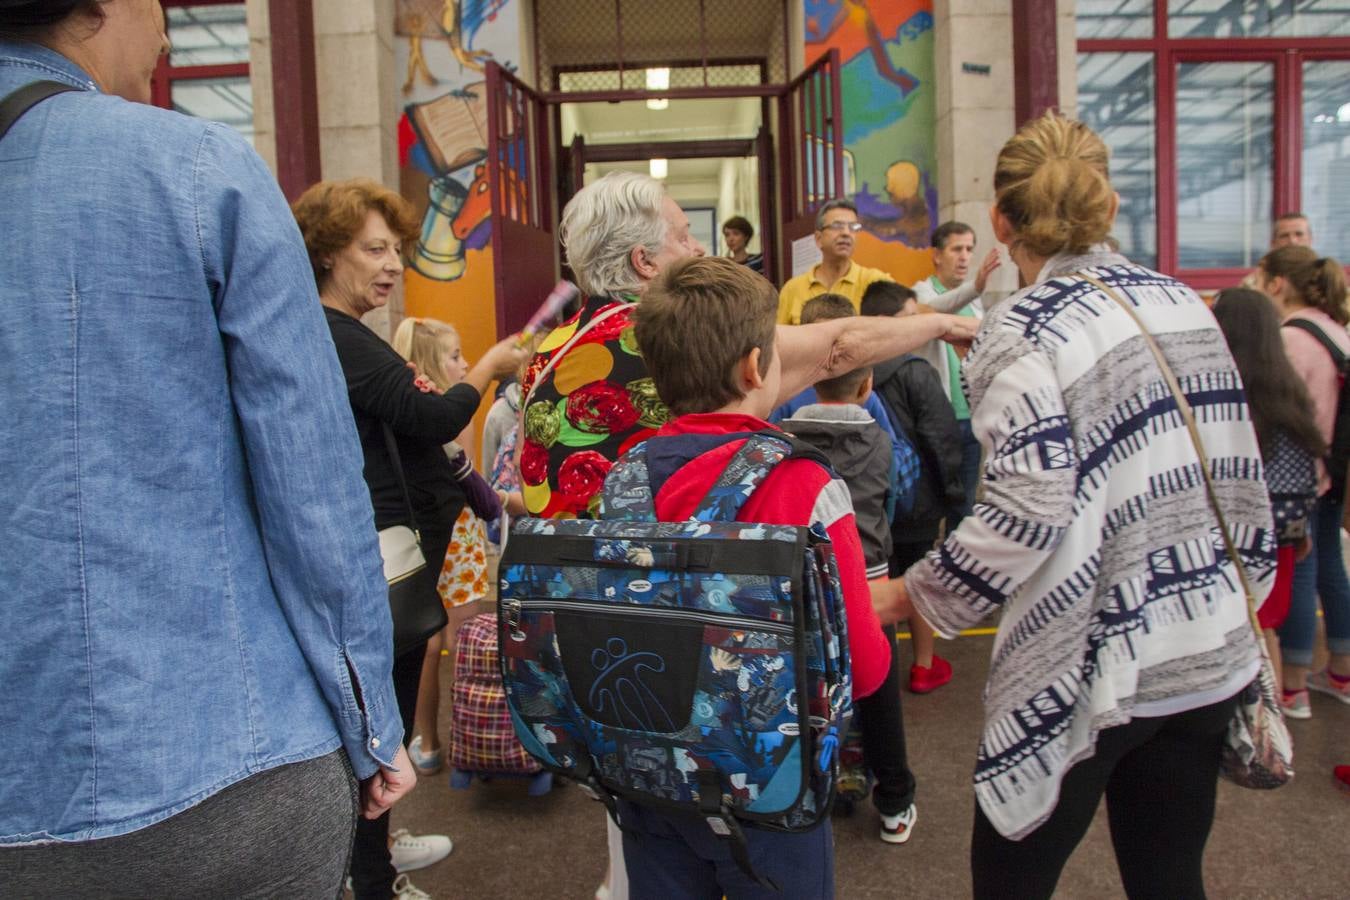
696, 667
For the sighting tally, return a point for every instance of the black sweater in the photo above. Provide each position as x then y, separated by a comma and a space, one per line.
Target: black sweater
912, 394
380, 386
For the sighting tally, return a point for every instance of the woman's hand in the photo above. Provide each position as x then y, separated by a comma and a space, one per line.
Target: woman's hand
504, 357
890, 600
386, 787
420, 381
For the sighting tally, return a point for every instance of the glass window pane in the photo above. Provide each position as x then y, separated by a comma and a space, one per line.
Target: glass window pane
1104, 19
1115, 97
226, 100
1326, 155
207, 35
1225, 163
1258, 18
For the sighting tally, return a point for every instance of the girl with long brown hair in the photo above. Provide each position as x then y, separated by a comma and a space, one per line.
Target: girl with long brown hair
1282, 414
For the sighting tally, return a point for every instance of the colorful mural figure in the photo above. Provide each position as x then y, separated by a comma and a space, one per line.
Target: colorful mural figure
443, 131
454, 21
441, 49
890, 114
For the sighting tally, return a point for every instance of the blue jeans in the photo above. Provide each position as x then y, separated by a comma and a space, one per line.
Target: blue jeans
1321, 574
679, 856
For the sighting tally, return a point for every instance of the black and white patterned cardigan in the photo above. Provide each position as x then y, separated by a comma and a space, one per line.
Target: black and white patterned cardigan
1093, 535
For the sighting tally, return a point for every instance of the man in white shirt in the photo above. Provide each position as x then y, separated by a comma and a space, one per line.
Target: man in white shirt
948, 291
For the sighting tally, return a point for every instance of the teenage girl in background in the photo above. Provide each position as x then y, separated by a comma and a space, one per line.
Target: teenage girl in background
1310, 291
1282, 414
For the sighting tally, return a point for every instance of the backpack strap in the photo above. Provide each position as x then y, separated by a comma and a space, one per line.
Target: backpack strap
13, 106
1337, 355
627, 492
748, 469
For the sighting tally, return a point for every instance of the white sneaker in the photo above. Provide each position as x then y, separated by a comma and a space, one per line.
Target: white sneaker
406, 890
417, 852
424, 763
896, 829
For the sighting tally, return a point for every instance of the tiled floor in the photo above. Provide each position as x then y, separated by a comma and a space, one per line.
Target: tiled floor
1289, 843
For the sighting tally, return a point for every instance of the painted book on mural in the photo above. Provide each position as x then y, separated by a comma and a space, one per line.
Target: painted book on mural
453, 127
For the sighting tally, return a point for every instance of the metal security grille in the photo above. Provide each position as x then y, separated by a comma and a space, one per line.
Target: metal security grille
610, 45
679, 75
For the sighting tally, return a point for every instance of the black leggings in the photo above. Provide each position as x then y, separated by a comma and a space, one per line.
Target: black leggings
372, 870
1159, 776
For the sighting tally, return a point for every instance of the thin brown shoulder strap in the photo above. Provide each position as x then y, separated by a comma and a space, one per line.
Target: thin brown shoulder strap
1189, 417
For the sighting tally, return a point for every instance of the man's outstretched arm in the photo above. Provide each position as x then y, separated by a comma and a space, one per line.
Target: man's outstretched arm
824, 349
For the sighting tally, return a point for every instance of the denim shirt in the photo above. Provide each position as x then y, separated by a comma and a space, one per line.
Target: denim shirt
191, 588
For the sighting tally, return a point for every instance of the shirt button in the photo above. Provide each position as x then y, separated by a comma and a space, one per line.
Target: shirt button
375, 743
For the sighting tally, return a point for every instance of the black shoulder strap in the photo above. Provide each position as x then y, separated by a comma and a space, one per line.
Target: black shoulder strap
25, 98
1337, 355
391, 445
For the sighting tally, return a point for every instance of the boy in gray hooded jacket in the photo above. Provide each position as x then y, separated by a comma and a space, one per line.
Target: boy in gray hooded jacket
860, 453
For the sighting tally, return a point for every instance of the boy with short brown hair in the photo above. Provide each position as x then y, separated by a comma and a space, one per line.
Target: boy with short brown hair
707, 331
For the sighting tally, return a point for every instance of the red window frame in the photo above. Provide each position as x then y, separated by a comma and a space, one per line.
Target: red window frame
161, 84
1286, 54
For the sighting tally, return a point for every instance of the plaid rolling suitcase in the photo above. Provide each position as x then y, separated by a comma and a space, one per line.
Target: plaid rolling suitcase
483, 742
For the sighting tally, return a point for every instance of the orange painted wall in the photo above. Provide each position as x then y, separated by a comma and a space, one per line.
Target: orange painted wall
468, 307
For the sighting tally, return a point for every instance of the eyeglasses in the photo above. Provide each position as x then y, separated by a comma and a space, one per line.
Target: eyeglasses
854, 227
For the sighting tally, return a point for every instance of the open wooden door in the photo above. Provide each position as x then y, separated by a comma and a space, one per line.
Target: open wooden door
810, 152
524, 248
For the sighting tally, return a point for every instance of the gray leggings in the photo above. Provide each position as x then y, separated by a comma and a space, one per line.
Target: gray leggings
285, 832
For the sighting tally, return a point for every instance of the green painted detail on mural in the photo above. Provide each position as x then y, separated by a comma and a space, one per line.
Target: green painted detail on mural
880, 126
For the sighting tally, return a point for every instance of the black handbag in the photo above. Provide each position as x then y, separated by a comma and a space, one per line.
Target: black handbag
414, 605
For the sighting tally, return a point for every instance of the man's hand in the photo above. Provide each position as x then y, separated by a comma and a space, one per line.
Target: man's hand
890, 600
386, 787
992, 261
960, 330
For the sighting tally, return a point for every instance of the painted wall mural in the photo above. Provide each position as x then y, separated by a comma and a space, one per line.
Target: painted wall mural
890, 117
442, 47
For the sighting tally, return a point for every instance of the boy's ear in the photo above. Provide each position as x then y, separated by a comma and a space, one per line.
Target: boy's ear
865, 388
748, 377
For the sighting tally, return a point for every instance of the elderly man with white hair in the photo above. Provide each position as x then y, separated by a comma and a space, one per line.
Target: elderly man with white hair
588, 395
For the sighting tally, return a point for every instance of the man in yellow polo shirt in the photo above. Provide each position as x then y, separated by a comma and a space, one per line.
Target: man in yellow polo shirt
836, 227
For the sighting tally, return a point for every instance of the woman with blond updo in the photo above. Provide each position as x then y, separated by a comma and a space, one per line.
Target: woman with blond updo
1309, 291
1124, 635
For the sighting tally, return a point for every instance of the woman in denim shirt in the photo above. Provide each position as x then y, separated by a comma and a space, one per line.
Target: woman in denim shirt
197, 637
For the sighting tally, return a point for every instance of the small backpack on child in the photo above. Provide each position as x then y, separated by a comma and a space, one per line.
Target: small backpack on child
697, 666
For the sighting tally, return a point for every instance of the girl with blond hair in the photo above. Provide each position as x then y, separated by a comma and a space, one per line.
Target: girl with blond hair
1124, 635
434, 350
